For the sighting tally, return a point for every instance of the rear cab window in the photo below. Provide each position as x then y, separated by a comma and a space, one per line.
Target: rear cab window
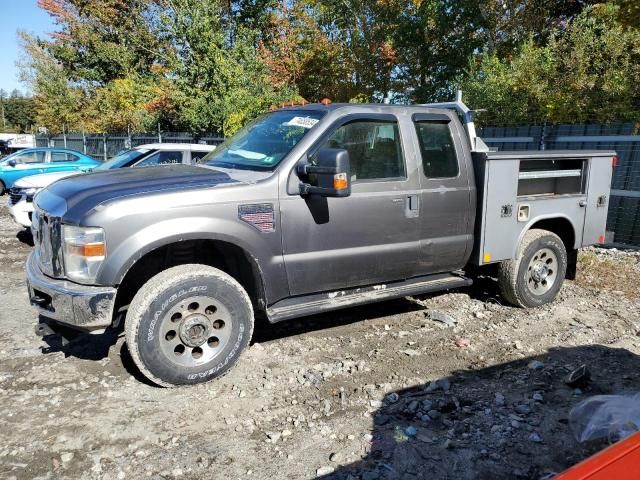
437, 148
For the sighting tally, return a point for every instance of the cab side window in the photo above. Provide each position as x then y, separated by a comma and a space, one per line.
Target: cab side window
31, 157
374, 149
161, 158
438, 152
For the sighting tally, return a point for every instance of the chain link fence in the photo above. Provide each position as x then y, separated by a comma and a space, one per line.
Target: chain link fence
624, 206
103, 147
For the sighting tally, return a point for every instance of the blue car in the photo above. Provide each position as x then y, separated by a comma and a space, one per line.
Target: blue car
32, 161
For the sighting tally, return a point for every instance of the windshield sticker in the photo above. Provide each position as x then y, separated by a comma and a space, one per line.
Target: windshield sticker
304, 122
248, 154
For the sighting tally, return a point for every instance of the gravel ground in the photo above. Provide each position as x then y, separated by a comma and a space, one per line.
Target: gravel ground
451, 386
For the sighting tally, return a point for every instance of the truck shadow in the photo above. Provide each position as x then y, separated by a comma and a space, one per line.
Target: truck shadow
506, 421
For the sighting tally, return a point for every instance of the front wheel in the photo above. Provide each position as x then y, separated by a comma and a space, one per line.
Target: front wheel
188, 324
536, 275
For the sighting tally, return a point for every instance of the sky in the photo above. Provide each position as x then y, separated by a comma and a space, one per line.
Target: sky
18, 15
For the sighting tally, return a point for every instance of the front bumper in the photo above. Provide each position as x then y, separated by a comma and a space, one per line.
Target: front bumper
77, 306
21, 212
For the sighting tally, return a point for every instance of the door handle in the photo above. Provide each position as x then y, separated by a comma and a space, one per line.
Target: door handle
412, 206
582, 203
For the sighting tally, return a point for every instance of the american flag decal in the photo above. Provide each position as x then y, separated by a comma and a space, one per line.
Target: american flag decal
260, 216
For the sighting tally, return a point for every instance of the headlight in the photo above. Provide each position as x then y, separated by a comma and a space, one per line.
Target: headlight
84, 250
29, 192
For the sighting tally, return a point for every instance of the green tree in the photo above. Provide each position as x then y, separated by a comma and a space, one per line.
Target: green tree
587, 73
57, 102
221, 82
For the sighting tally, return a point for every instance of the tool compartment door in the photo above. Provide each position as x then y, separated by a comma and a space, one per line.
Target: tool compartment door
598, 194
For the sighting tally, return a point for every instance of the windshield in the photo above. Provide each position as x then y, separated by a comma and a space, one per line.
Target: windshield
265, 141
123, 159
4, 160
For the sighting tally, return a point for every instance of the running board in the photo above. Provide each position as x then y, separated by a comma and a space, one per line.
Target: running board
325, 302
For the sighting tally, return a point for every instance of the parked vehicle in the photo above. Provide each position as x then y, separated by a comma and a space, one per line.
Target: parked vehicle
23, 190
32, 161
306, 210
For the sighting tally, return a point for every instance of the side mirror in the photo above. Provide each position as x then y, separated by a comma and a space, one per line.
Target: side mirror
11, 163
331, 177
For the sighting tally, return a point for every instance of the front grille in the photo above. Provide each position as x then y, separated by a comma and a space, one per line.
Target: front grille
47, 243
14, 196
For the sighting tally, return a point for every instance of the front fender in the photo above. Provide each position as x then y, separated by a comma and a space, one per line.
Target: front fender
263, 248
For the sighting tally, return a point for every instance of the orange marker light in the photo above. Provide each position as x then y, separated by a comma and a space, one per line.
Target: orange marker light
340, 181
89, 250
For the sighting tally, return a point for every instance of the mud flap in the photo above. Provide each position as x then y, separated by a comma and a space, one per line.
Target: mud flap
572, 264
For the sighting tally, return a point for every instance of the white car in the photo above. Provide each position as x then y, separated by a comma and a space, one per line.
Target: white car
23, 190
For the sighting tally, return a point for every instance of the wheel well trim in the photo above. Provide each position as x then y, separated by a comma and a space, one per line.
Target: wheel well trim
553, 216
159, 243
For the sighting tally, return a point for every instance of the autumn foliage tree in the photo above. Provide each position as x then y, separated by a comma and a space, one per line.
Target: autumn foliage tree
212, 65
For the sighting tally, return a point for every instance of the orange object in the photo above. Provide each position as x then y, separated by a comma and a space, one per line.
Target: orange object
340, 181
89, 250
620, 461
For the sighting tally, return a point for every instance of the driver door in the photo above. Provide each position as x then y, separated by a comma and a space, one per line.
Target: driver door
368, 238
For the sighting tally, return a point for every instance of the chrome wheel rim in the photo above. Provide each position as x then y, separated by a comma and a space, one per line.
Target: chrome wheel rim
195, 331
542, 271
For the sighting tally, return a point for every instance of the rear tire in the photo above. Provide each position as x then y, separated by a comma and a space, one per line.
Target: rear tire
188, 325
3, 188
536, 275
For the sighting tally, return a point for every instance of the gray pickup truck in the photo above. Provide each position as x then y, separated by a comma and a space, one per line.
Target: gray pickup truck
307, 209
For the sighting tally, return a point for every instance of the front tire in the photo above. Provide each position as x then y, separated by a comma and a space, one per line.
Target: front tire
188, 325
3, 188
536, 275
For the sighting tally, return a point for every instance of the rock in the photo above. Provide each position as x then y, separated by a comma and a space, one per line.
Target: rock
325, 471
535, 365
335, 457
381, 419
409, 352
66, 457
393, 397
413, 406
410, 431
434, 414
535, 437
440, 317
523, 409
462, 342
286, 433
427, 405
579, 378
442, 384
499, 399
274, 436
538, 397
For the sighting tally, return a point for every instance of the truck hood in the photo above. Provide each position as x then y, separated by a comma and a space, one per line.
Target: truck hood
43, 180
73, 197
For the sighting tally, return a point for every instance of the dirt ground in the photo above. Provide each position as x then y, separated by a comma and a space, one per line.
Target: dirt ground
379, 392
